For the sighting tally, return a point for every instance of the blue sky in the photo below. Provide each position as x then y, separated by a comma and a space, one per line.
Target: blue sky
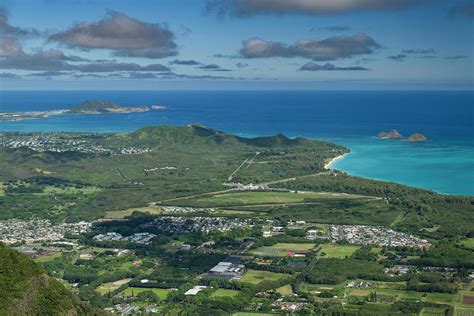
236, 44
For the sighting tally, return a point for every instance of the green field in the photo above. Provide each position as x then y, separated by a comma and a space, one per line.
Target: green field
282, 249
133, 291
442, 298
43, 259
225, 293
359, 292
432, 311
111, 286
252, 314
262, 198
337, 251
468, 243
128, 212
256, 277
285, 290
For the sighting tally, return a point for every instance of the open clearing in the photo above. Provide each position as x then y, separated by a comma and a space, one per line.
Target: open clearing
468, 243
282, 249
285, 290
111, 286
128, 212
265, 198
256, 277
252, 314
359, 292
44, 259
432, 311
225, 293
133, 291
337, 251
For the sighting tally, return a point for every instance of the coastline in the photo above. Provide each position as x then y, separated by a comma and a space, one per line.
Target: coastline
328, 165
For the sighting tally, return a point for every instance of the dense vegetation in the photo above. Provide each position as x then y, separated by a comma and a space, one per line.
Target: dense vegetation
26, 290
94, 105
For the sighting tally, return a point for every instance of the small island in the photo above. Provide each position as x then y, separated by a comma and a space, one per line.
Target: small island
416, 138
104, 106
85, 107
394, 134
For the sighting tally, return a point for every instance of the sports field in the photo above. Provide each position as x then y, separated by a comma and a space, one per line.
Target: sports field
256, 276
282, 249
225, 293
337, 251
133, 291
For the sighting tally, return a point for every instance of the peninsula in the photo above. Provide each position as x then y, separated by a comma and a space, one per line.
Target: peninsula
85, 107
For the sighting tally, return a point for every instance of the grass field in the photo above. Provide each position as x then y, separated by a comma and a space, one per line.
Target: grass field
282, 249
111, 286
133, 291
442, 298
44, 259
256, 277
285, 290
257, 198
432, 311
225, 293
337, 251
123, 213
69, 190
469, 243
359, 292
404, 295
251, 314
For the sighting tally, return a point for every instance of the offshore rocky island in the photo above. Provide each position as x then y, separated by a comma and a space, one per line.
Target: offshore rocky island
394, 134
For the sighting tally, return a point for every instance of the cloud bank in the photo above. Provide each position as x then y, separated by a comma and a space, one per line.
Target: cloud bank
328, 67
332, 48
242, 8
124, 35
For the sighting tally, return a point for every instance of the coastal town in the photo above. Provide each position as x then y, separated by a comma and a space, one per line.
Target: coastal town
65, 142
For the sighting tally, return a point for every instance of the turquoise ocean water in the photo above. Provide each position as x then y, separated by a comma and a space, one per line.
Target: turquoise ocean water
350, 118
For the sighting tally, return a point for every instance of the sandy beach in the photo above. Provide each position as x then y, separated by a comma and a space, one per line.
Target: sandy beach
330, 163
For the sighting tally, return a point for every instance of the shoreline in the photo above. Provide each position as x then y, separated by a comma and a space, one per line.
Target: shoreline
328, 165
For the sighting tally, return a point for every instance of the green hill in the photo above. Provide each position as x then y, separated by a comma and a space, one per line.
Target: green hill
100, 106
26, 290
202, 135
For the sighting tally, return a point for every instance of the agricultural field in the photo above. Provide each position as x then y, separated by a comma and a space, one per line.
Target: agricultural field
256, 276
111, 286
49, 258
359, 292
433, 311
285, 289
282, 249
225, 293
468, 243
337, 251
123, 213
133, 291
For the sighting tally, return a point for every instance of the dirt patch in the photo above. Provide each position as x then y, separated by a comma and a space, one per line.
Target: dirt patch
468, 300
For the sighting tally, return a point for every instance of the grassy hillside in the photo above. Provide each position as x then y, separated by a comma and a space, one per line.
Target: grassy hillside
94, 105
176, 161
26, 290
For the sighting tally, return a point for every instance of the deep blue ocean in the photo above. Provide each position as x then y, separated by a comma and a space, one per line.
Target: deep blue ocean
350, 118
